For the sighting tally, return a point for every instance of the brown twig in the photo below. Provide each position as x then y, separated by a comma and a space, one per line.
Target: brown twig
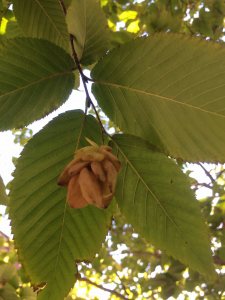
219, 261
4, 235
220, 173
121, 282
207, 172
84, 279
84, 78
143, 254
63, 6
199, 185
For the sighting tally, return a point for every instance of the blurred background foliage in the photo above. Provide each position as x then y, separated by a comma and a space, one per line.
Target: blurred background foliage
130, 18
127, 267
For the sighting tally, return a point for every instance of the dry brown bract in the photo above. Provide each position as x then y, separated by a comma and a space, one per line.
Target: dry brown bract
91, 177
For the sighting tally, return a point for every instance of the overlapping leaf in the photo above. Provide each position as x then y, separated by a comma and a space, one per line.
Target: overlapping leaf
13, 30
35, 78
169, 90
49, 235
42, 19
156, 199
8, 292
87, 23
1, 10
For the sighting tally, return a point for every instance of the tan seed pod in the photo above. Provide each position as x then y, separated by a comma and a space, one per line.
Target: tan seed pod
105, 147
91, 142
64, 176
112, 158
77, 167
74, 195
111, 174
107, 195
70, 170
89, 153
90, 188
98, 170
86, 149
91, 176
94, 156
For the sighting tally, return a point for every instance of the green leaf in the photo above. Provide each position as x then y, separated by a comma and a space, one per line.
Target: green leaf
13, 30
35, 78
77, 80
156, 199
7, 272
42, 19
120, 37
49, 235
27, 293
87, 23
67, 3
8, 293
169, 90
3, 196
221, 253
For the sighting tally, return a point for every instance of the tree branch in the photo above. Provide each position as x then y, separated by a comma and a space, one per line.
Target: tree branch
84, 78
4, 235
220, 173
219, 261
88, 281
121, 282
207, 172
143, 254
63, 6
199, 185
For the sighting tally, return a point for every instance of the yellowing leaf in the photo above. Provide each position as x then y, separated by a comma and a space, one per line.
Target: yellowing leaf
3, 25
111, 25
133, 27
128, 15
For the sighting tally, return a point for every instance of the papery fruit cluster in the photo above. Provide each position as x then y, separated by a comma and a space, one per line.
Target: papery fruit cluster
91, 176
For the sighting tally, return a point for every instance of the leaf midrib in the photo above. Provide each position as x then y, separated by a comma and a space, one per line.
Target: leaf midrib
85, 29
150, 191
35, 82
147, 187
50, 20
128, 162
65, 207
134, 90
